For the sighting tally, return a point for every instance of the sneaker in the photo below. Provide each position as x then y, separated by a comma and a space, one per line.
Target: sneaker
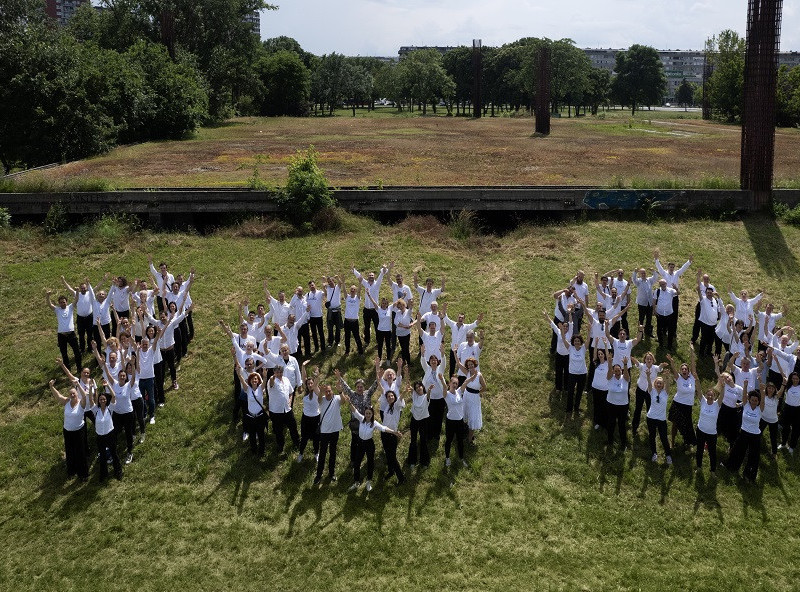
597, 426
175, 386
464, 463
369, 486
152, 420
317, 480
109, 461
161, 404
141, 439
129, 458
333, 479
669, 460
654, 458
299, 458
245, 437
447, 462
780, 446
316, 457
354, 486
790, 449
411, 467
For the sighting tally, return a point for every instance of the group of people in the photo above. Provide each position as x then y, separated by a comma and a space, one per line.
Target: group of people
756, 384
270, 372
134, 349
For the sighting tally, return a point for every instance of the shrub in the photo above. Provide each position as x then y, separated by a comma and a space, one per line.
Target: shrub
306, 191
5, 218
56, 220
463, 225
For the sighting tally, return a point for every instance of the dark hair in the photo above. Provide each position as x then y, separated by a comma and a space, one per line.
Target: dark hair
415, 384
391, 406
372, 421
754, 393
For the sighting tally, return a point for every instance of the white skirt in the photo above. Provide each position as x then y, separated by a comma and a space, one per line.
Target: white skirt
472, 410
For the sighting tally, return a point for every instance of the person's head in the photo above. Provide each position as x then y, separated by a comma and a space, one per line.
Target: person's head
743, 294
251, 316
150, 332
384, 302
613, 292
173, 308
453, 383
642, 273
429, 284
418, 387
369, 415
746, 362
658, 383
671, 266
101, 296
706, 279
144, 344
73, 395
623, 334
726, 378
389, 375
298, 291
281, 296
649, 359
254, 379
771, 389
738, 325
268, 331
261, 310
398, 279
577, 341
470, 337
662, 284
102, 400
278, 372
604, 280
601, 312
710, 395
86, 374
112, 343
390, 397
709, 293
470, 363
62, 301
601, 355
249, 347
579, 276
124, 339
353, 291
83, 288
729, 309
326, 391
175, 287
684, 370
243, 329
312, 286
290, 320
143, 287
434, 307
617, 370
431, 327
433, 361
309, 384
122, 281
162, 268
754, 398
769, 308
284, 351
122, 377
360, 386
461, 317
784, 340
401, 304
794, 378
371, 277
249, 366
620, 274
129, 368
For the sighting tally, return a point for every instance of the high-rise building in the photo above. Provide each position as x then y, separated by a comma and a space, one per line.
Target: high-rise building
254, 18
62, 10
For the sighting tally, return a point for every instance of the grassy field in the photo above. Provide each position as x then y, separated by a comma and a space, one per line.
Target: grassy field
542, 506
651, 149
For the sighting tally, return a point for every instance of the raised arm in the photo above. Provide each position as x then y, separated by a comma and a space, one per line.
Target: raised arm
672, 366
69, 374
56, 395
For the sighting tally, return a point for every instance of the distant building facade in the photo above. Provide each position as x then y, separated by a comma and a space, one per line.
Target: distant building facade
62, 10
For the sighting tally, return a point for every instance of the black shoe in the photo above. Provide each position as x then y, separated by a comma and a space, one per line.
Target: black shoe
317, 480
333, 479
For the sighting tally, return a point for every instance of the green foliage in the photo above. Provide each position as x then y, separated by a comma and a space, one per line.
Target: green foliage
640, 77
307, 191
725, 54
285, 83
422, 79
685, 93
787, 214
463, 225
56, 220
788, 97
5, 218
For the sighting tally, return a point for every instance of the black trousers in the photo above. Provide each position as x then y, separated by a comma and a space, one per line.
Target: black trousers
709, 440
158, 370
327, 446
85, 332
562, 371
370, 317
642, 399
405, 347
646, 318
436, 411
746, 444
660, 426
617, 418
184, 327
168, 358
729, 423
70, 339
334, 318
124, 421
665, 329
790, 420
351, 328
599, 407
280, 421
420, 431
773, 434
708, 336
304, 340
109, 441
576, 383
308, 431
317, 333
454, 428
696, 326
190, 326
255, 425
363, 448
76, 448
178, 348
384, 338
453, 365
138, 413
389, 442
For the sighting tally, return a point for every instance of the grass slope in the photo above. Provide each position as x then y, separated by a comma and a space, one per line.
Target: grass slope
541, 506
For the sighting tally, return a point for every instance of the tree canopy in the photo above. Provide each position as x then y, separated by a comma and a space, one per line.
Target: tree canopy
640, 77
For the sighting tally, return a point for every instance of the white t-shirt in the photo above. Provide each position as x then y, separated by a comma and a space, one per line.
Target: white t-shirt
600, 380
64, 318
658, 404
351, 306
103, 422
455, 404
419, 406
314, 300
685, 393
792, 396
770, 413
311, 405
751, 419
577, 360
707, 423
330, 415
617, 391
73, 416
655, 370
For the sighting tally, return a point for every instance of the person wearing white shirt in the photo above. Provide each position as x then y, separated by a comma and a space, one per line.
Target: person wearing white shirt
766, 323
292, 330
330, 424
427, 295
309, 420
581, 291
372, 285
432, 338
729, 421
104, 428
161, 277
351, 305
710, 404
771, 395
602, 290
66, 328
432, 316
240, 342
617, 403
471, 348
76, 451
333, 288
672, 277
101, 312
744, 306
147, 358
647, 367
391, 419
169, 325
748, 441
703, 283
279, 307
710, 312
577, 371
119, 295
458, 332
622, 287
400, 290
454, 423
365, 445
600, 385
565, 303
281, 397
420, 417
302, 313
723, 330
657, 417
666, 322
83, 309
122, 405
384, 331
316, 299
403, 322
255, 418
687, 385
790, 416
644, 298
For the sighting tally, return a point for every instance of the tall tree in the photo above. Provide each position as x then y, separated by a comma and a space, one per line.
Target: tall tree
286, 84
640, 77
423, 78
685, 94
599, 91
725, 53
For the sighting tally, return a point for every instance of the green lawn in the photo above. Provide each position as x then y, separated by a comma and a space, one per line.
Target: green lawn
541, 506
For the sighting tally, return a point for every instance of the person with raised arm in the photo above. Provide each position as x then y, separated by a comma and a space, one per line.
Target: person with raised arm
454, 424
600, 385
84, 382
168, 324
617, 402
122, 406
83, 310
101, 310
729, 421
104, 428
292, 330
309, 421
161, 277
383, 334
471, 348
703, 283
316, 299
710, 404
623, 288
373, 286
672, 277
710, 312
279, 307
687, 390
66, 327
243, 342
427, 296
361, 397
389, 380
723, 331
76, 448
458, 332
395, 403
330, 424
644, 298
771, 395
149, 355
748, 442
119, 295
255, 417
646, 367
281, 400
474, 388
301, 311
663, 305
657, 415
581, 294
767, 322
351, 305
365, 445
565, 303
434, 366
744, 307
420, 416
404, 321
333, 289
790, 416
399, 290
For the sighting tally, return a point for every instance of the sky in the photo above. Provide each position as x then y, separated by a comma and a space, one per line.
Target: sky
380, 27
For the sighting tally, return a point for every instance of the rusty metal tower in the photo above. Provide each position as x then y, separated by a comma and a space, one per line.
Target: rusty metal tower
477, 74
542, 99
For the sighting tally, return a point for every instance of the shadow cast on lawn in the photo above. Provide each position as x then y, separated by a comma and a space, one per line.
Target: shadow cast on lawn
773, 254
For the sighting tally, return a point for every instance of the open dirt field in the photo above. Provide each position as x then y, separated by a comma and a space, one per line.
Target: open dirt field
652, 147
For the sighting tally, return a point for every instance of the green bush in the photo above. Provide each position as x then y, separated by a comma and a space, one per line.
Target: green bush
56, 220
5, 218
463, 225
306, 191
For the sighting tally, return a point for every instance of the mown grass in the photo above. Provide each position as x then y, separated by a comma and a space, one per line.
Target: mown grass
542, 505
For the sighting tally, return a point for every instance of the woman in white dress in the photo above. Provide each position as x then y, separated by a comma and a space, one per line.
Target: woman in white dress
474, 387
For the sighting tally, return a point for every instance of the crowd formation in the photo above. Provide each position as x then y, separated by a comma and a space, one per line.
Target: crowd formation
134, 350
757, 386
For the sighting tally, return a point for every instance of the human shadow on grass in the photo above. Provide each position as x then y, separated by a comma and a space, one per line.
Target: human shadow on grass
657, 474
707, 495
772, 252
612, 465
71, 495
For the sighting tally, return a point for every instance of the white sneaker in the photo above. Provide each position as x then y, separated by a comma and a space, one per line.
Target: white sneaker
790, 449
129, 459
161, 404
411, 467
780, 446
152, 420
245, 437
141, 439
654, 458
369, 486
447, 462
597, 426
316, 457
464, 463
669, 460
354, 486
299, 458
